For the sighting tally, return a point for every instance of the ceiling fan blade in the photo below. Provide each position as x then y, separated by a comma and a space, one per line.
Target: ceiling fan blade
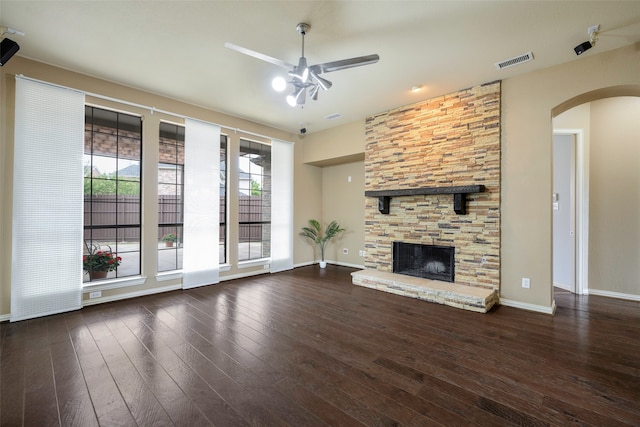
259, 55
328, 67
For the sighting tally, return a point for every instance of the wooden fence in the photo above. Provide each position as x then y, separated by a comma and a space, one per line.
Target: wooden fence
107, 210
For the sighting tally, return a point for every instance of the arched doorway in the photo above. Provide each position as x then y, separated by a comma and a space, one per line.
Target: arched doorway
606, 125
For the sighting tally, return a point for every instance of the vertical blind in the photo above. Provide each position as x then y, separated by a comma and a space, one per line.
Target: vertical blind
281, 206
46, 267
201, 204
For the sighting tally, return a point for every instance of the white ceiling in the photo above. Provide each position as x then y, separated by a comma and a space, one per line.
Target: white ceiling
176, 48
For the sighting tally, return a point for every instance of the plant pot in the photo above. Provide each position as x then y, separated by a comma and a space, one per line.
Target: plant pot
168, 244
323, 264
95, 275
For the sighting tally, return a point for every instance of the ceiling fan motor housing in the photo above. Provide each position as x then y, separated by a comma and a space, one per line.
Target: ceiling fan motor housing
303, 28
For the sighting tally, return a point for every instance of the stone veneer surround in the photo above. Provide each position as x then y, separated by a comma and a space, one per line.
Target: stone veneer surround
451, 140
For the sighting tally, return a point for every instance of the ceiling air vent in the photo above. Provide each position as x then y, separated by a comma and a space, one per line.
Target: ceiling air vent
333, 116
525, 57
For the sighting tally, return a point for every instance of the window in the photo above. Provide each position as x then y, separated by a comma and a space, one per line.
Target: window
170, 196
223, 199
112, 187
254, 201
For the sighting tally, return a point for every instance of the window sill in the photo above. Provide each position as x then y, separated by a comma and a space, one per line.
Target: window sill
177, 274
264, 262
169, 275
104, 285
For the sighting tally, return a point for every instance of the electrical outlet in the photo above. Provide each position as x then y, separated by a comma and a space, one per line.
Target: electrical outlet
266, 266
361, 253
345, 251
96, 294
526, 282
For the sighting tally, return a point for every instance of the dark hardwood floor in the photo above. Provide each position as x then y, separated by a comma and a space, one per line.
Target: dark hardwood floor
307, 348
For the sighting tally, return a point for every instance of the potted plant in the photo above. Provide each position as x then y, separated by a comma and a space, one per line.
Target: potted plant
169, 239
99, 263
314, 233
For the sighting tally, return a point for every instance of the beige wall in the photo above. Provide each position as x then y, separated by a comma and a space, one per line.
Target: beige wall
307, 187
343, 201
336, 154
342, 144
614, 208
528, 104
307, 196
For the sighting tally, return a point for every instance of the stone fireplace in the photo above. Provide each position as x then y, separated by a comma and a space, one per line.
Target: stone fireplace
420, 161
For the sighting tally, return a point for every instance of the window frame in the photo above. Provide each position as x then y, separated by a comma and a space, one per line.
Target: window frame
90, 229
264, 224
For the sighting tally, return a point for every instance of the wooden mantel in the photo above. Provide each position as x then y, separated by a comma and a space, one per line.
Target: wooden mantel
459, 195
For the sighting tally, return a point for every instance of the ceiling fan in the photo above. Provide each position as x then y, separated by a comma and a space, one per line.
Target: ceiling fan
304, 76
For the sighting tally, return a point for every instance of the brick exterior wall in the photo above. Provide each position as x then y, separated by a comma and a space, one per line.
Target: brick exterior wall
104, 142
452, 140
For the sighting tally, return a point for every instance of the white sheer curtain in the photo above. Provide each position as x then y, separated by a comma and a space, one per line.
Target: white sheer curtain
201, 204
47, 233
281, 206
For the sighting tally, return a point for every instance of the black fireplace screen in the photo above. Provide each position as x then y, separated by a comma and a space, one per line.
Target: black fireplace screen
427, 261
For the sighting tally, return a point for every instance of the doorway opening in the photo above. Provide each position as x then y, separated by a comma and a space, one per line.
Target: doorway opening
570, 212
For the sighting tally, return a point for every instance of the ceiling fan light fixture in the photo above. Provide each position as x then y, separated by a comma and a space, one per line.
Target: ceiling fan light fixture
279, 84
292, 99
322, 82
303, 75
314, 92
301, 71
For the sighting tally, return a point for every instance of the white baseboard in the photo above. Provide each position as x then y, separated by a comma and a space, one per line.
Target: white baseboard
343, 264
630, 297
128, 295
5, 317
346, 264
304, 264
241, 275
531, 307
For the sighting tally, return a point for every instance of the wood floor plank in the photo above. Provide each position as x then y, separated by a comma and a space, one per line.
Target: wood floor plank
419, 406
12, 373
183, 403
110, 407
142, 403
307, 348
40, 401
275, 355
74, 401
239, 399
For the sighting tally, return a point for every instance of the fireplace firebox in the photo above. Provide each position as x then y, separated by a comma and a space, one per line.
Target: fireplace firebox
427, 261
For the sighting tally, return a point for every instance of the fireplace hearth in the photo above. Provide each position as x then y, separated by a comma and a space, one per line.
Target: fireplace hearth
426, 261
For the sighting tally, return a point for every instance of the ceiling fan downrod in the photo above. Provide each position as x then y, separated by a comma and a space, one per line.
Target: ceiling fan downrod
303, 29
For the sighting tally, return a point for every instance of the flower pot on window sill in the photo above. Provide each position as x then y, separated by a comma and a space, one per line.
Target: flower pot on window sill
95, 275
168, 244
